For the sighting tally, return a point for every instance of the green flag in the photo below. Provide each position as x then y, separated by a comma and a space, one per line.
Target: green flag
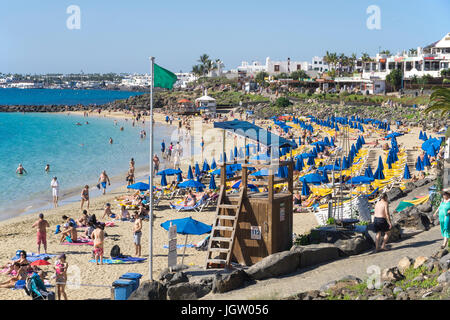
163, 78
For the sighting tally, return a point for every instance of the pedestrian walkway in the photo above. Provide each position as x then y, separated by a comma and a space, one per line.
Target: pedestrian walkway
422, 244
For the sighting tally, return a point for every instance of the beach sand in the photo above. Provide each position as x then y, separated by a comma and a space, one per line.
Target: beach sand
16, 233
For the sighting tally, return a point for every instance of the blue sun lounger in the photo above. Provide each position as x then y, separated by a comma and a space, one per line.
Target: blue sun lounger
198, 206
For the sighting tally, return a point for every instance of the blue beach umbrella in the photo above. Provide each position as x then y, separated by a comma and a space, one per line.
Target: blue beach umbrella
311, 161
212, 183
380, 164
305, 189
205, 166
360, 180
313, 178
163, 180
299, 164
421, 135
191, 184
426, 160
379, 175
169, 172
179, 176
419, 165
252, 187
325, 176
141, 186
368, 172
190, 175
188, 226
406, 174
200, 188
213, 164
235, 152
197, 169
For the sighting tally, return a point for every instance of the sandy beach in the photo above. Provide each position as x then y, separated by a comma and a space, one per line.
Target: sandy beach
95, 280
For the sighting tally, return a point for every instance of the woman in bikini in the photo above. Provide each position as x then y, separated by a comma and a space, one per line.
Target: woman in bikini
85, 196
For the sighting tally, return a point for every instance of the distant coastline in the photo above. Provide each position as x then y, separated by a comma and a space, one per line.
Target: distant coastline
36, 100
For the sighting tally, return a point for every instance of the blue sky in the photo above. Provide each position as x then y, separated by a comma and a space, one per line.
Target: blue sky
119, 36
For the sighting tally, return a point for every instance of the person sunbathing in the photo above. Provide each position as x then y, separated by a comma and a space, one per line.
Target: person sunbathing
125, 215
23, 258
108, 212
70, 233
83, 221
190, 199
21, 274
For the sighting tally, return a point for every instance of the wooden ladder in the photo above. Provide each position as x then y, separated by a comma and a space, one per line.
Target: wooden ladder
220, 244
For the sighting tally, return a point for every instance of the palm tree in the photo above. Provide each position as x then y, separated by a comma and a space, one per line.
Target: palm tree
439, 101
352, 61
365, 57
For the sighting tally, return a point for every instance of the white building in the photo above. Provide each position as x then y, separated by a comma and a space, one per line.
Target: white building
137, 80
430, 60
183, 79
284, 66
318, 64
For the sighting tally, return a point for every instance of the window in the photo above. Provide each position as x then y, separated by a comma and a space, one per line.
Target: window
299, 67
276, 68
408, 66
391, 65
315, 62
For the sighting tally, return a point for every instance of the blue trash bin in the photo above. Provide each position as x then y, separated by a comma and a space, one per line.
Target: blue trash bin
132, 276
123, 288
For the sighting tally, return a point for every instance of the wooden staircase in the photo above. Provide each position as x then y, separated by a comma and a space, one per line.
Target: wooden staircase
222, 236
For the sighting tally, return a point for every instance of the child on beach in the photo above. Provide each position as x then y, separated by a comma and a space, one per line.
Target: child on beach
108, 212
61, 266
42, 226
137, 233
98, 236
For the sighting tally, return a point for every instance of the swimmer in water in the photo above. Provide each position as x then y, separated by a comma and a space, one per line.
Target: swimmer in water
121, 128
110, 140
78, 124
47, 168
21, 170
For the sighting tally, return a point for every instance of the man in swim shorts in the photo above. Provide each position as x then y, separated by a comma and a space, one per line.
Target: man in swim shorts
103, 179
42, 226
382, 222
20, 169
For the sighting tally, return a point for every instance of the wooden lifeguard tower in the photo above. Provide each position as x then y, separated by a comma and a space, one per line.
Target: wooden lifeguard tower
252, 225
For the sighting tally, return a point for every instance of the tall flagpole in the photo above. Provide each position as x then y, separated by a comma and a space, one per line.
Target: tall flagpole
151, 171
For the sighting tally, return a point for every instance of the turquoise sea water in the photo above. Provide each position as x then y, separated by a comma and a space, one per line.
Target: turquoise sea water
76, 154
12, 96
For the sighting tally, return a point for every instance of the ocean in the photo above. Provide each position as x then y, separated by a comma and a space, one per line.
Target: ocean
12, 96
77, 154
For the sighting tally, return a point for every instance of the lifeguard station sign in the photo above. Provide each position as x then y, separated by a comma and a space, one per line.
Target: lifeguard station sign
255, 232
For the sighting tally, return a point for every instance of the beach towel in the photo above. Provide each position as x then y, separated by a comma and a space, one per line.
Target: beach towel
33, 256
123, 260
79, 242
179, 246
109, 224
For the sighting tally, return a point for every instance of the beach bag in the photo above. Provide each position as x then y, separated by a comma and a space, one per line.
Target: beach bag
115, 251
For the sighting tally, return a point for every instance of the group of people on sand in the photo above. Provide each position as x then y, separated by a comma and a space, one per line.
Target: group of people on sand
21, 269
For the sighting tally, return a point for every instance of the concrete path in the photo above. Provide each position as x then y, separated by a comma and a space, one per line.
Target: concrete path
422, 244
